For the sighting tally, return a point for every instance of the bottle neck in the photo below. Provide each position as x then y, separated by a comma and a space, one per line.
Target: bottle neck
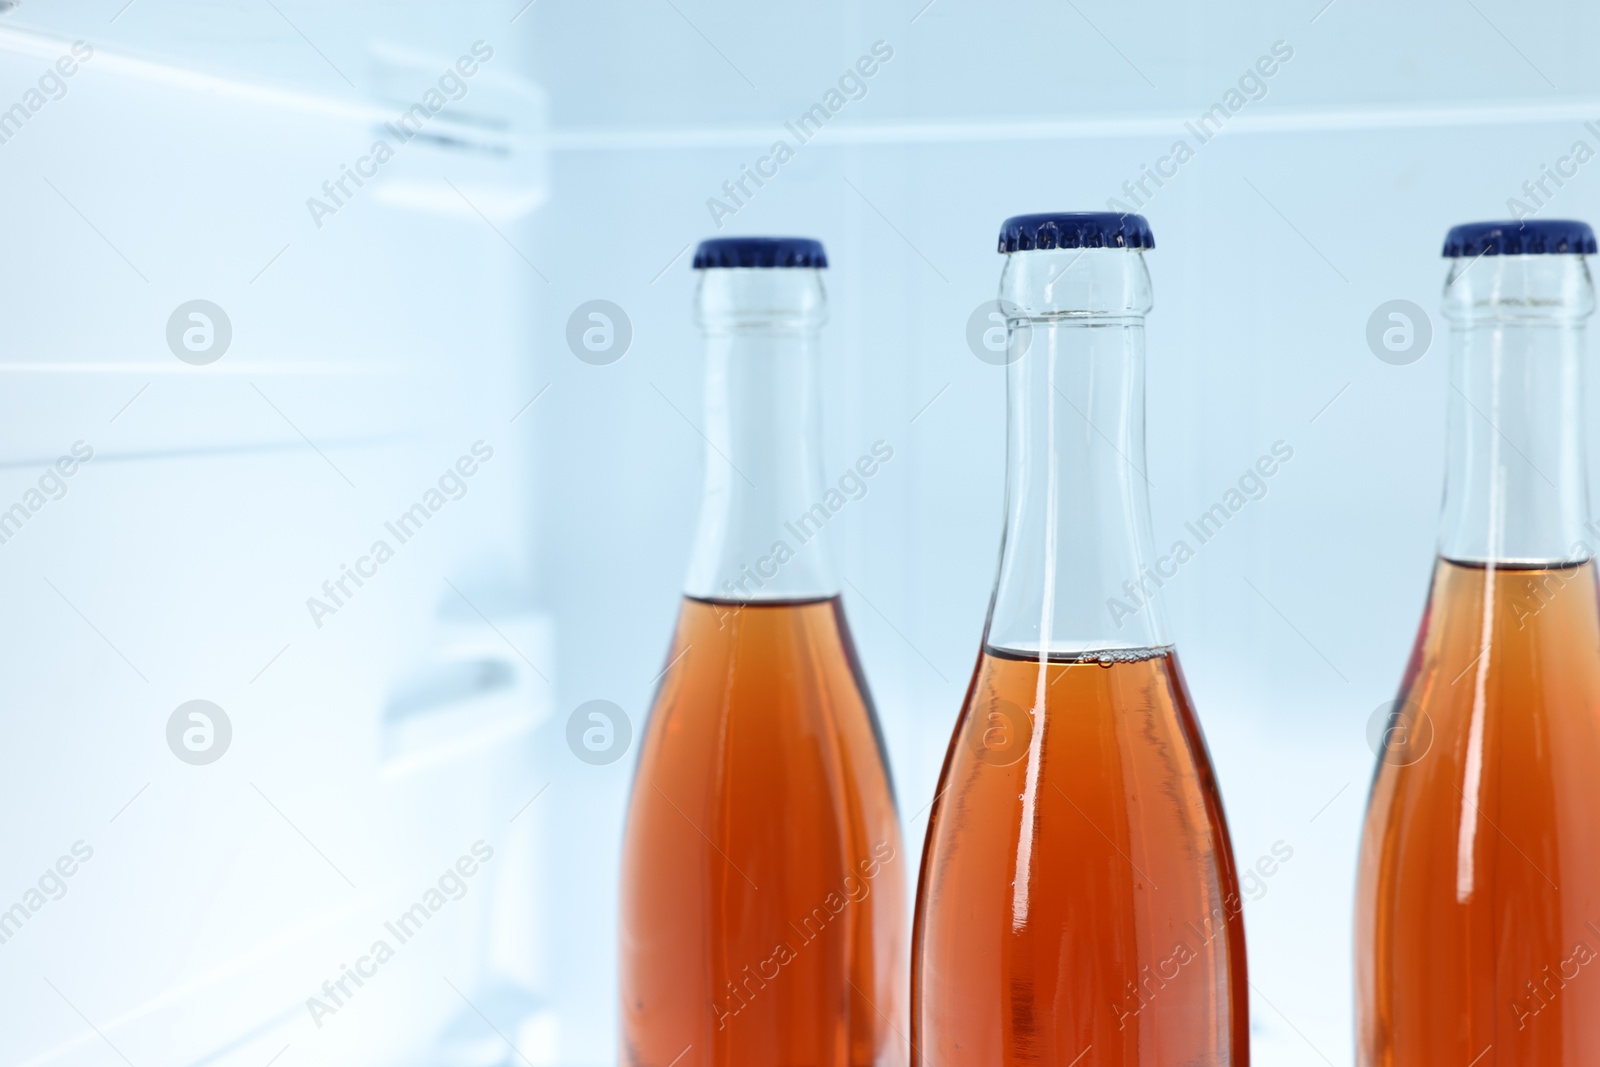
1077, 570
1515, 484
764, 513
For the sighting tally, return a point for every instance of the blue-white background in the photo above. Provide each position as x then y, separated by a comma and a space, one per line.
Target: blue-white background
369, 353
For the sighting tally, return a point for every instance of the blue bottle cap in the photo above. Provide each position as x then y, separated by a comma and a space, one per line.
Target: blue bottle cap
1075, 229
1530, 237
760, 252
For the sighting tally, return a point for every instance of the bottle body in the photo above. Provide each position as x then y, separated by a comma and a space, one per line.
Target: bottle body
763, 894
763, 875
1077, 887
1478, 901
1128, 939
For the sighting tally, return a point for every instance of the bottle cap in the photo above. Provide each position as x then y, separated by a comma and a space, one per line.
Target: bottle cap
1530, 237
1075, 229
760, 252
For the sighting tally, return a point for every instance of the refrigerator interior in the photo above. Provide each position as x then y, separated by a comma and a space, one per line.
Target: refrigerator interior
379, 335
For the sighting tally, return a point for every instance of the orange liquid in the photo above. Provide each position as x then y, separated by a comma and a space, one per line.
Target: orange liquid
763, 891
1478, 910
1078, 901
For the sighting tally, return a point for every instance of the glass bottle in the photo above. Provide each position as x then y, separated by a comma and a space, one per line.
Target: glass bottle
1078, 889
1478, 906
763, 881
